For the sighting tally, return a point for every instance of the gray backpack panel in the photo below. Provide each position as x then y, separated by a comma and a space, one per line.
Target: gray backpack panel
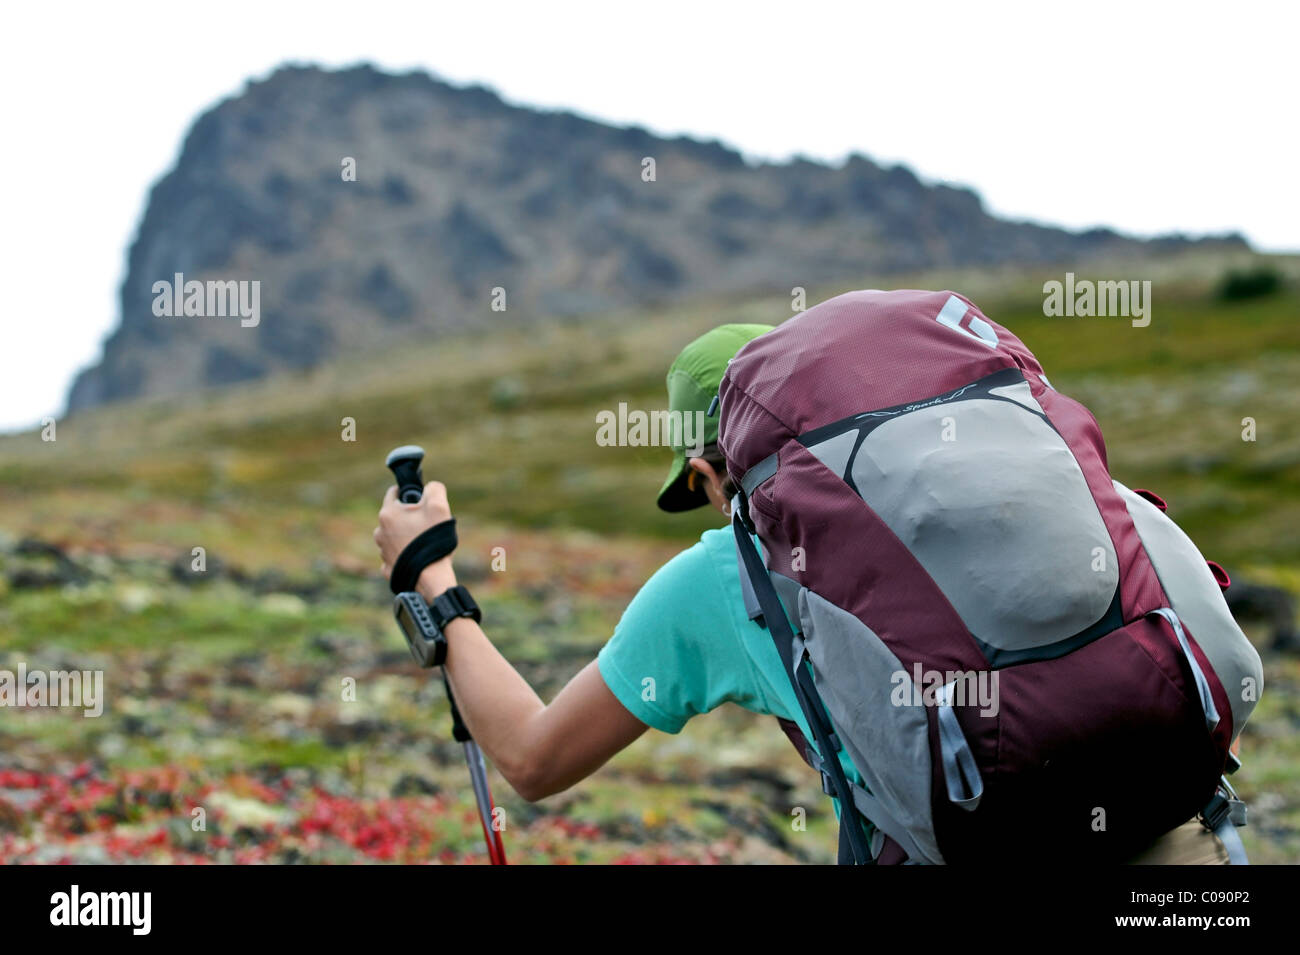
1198, 601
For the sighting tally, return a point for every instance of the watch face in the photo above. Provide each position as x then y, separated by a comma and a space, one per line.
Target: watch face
422, 639
409, 627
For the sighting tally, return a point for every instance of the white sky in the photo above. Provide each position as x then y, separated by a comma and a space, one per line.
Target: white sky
1148, 117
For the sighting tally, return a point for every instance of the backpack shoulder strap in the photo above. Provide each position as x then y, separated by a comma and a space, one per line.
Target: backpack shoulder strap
853, 841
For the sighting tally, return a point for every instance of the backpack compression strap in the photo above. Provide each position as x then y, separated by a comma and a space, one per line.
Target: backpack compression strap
1224, 812
853, 842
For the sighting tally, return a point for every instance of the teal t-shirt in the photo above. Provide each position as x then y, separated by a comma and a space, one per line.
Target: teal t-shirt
687, 631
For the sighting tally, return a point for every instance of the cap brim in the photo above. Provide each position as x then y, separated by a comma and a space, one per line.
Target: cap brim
676, 496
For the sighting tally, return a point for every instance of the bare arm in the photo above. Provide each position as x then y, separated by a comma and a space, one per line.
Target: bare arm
540, 749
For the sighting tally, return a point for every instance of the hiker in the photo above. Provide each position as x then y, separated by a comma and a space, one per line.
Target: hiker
687, 629
688, 642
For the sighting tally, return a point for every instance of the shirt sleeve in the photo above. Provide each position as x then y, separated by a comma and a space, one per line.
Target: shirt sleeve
675, 653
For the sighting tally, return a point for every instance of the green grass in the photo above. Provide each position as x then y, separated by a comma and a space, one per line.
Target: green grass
264, 473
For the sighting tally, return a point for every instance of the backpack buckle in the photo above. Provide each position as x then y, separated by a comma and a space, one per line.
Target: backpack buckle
740, 506
1216, 811
828, 784
1223, 807
1237, 812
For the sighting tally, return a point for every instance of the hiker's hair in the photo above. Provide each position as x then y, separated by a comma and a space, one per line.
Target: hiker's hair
715, 460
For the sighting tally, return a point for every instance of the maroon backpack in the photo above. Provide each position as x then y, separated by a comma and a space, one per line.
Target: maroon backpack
1018, 655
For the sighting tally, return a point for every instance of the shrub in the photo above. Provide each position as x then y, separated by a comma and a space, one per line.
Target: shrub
1256, 282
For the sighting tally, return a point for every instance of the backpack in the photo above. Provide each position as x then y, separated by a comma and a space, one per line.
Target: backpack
1017, 654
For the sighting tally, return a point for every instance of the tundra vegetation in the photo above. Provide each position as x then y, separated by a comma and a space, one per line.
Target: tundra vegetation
259, 703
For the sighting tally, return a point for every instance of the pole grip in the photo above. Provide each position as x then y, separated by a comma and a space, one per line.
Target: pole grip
404, 462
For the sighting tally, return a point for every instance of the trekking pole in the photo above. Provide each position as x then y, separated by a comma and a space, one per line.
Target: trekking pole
478, 779
404, 462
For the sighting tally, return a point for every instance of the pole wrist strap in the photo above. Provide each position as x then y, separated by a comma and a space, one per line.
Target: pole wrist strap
432, 545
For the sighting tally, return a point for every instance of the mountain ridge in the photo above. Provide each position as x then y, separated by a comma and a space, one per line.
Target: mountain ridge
459, 194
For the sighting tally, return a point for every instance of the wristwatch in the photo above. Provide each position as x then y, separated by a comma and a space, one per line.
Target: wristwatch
423, 624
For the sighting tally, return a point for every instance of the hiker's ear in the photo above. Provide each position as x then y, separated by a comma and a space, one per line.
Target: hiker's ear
713, 486
704, 469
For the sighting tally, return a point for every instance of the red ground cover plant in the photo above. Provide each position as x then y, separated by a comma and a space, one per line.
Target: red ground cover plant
149, 816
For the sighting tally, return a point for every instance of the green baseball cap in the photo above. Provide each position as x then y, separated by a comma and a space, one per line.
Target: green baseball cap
693, 382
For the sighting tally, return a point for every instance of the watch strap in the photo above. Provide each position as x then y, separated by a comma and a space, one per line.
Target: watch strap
452, 603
